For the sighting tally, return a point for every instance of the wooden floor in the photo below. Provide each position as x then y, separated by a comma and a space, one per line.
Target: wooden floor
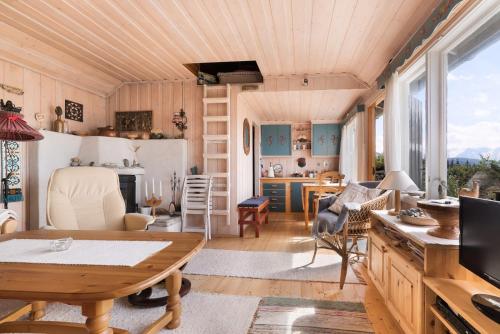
289, 235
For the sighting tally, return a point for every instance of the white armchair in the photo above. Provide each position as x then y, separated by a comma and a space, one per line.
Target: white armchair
89, 198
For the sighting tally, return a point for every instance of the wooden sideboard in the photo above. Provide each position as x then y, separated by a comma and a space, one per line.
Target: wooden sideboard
401, 258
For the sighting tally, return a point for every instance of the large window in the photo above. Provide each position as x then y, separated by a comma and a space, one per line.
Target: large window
473, 112
379, 142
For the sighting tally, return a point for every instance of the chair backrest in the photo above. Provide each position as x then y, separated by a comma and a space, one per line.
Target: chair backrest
197, 193
331, 176
85, 198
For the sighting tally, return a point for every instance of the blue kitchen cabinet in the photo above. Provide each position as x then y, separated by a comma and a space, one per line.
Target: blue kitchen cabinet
276, 140
296, 197
326, 140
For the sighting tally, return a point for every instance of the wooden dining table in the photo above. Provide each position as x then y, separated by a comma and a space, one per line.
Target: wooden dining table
329, 187
94, 287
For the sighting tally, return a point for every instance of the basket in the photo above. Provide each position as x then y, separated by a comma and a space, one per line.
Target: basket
420, 221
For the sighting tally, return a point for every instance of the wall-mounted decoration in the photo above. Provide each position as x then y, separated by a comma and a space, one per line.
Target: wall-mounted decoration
180, 122
73, 111
325, 140
12, 89
11, 170
246, 136
141, 121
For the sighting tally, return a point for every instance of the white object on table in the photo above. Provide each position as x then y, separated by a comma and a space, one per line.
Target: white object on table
81, 252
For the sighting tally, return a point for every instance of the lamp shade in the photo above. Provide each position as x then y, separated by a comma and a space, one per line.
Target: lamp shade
13, 127
397, 180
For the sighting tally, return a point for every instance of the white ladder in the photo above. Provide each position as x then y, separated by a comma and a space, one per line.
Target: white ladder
216, 157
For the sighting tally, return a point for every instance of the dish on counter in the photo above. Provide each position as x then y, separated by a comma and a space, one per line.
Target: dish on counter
416, 216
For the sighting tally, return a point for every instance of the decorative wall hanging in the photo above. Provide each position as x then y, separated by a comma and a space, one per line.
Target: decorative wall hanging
73, 111
11, 89
180, 118
246, 136
11, 170
141, 121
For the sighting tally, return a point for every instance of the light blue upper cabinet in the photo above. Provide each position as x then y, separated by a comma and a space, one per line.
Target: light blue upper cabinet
276, 140
326, 140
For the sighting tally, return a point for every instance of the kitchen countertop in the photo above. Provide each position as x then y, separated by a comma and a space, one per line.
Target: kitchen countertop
288, 178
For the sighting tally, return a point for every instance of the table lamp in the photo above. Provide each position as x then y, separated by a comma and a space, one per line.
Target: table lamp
13, 128
398, 181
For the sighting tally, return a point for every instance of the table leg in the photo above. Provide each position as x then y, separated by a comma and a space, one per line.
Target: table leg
37, 310
174, 299
305, 197
97, 314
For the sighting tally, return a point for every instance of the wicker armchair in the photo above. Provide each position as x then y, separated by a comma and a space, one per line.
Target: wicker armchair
351, 224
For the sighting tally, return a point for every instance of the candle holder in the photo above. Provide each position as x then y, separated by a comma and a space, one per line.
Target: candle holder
153, 202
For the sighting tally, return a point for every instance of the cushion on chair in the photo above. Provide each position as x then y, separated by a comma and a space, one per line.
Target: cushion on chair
355, 193
253, 202
327, 222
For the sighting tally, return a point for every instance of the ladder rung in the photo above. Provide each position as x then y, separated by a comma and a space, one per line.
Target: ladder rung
220, 212
216, 155
218, 174
216, 118
216, 138
215, 99
220, 193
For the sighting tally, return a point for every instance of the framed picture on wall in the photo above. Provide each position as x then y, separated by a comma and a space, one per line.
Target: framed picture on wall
73, 111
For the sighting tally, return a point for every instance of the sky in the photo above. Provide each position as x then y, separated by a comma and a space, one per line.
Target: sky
473, 104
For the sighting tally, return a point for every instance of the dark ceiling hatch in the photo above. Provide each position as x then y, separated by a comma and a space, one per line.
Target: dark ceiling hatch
232, 72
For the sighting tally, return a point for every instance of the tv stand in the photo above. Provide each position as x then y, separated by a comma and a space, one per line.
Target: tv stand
458, 295
489, 305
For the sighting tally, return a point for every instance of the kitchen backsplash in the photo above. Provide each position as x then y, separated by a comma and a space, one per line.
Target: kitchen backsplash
290, 165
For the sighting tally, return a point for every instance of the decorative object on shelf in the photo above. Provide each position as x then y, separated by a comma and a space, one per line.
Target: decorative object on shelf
194, 170
446, 214
126, 163
175, 186
107, 131
58, 123
301, 162
246, 136
473, 192
278, 170
13, 128
153, 201
145, 135
132, 135
12, 89
416, 216
75, 162
135, 148
270, 171
140, 121
156, 134
398, 181
73, 111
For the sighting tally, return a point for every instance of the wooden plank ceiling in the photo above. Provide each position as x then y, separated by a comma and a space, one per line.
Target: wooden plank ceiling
151, 39
300, 106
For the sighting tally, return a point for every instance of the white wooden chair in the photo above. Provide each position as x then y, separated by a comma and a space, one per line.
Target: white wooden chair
197, 200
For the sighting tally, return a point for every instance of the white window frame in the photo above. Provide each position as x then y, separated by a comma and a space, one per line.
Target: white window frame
436, 94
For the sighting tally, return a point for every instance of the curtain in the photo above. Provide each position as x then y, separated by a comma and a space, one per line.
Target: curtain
361, 148
392, 125
348, 151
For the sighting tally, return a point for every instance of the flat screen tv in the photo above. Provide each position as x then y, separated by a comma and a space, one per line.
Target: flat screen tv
480, 248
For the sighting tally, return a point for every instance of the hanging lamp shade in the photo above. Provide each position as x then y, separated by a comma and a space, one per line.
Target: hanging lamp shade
12, 125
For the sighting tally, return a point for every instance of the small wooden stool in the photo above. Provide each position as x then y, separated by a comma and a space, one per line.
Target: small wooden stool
258, 208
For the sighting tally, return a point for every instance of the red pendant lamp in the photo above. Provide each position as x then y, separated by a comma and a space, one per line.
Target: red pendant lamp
12, 125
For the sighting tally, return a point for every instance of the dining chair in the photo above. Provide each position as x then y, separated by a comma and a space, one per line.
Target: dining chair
197, 200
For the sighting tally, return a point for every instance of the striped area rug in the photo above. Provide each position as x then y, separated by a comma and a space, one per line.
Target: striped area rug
291, 315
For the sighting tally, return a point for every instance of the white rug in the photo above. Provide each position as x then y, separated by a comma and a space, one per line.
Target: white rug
269, 265
201, 313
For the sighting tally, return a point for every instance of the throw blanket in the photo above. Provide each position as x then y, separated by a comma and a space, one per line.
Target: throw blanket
6, 214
